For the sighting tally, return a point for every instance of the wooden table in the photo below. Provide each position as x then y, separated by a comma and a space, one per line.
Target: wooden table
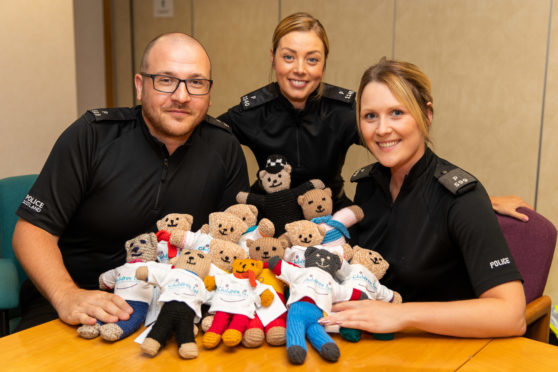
56, 346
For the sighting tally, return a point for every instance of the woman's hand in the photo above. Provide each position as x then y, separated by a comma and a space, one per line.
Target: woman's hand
368, 315
507, 205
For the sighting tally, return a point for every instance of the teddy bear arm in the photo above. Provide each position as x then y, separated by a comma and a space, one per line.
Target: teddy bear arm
102, 284
266, 227
242, 197
209, 282
273, 262
255, 199
142, 273
177, 238
267, 297
396, 298
205, 228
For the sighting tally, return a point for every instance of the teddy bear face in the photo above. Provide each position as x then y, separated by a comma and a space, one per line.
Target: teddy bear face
226, 226
274, 182
174, 221
304, 233
323, 259
195, 261
245, 265
248, 213
142, 247
264, 248
223, 253
370, 259
316, 203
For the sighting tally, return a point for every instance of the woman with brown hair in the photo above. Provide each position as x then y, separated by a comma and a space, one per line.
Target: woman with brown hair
431, 220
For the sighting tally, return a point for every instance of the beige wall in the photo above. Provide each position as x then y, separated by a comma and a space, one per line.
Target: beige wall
38, 75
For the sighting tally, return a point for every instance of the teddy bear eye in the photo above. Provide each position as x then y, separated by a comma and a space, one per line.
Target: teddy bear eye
234, 257
201, 255
143, 241
221, 252
310, 236
323, 199
300, 236
310, 202
279, 175
232, 229
220, 225
268, 179
257, 248
273, 248
166, 219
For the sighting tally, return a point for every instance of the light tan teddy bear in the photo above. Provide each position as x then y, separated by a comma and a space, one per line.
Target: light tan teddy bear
172, 222
249, 214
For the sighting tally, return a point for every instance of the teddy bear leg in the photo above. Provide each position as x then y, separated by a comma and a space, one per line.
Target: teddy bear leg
212, 337
188, 350
111, 332
89, 331
206, 323
322, 342
150, 346
233, 335
254, 334
350, 334
276, 336
295, 337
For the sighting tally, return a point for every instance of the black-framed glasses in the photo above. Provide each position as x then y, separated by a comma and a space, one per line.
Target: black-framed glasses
169, 84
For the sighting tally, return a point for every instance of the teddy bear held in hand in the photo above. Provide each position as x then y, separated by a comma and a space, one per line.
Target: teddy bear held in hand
280, 203
139, 251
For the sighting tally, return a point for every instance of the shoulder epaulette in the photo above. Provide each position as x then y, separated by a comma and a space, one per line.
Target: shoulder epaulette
113, 114
259, 97
362, 172
455, 179
339, 94
218, 123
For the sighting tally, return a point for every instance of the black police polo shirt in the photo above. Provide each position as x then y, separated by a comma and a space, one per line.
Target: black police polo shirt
440, 246
108, 180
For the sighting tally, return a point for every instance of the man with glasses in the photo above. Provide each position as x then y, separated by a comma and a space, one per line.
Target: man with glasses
113, 173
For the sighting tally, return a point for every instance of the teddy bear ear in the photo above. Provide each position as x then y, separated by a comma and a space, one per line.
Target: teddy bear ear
253, 209
249, 243
301, 199
322, 230
189, 218
284, 242
261, 174
327, 190
153, 239
289, 227
287, 168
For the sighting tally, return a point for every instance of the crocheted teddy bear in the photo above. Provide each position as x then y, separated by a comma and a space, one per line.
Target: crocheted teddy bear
280, 203
222, 225
365, 271
234, 303
275, 328
140, 251
317, 206
313, 290
166, 226
182, 294
249, 214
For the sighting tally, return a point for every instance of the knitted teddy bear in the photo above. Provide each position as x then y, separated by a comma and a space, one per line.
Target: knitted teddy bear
234, 302
222, 253
280, 203
275, 318
249, 214
317, 206
165, 226
182, 294
313, 290
222, 225
140, 251
366, 269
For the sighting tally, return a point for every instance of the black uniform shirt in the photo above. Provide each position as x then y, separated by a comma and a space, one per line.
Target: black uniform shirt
314, 140
440, 246
108, 180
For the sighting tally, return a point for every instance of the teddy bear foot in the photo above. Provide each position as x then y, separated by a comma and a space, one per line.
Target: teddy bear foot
207, 322
232, 337
111, 332
188, 350
330, 352
150, 346
89, 331
350, 334
253, 337
210, 340
296, 354
276, 336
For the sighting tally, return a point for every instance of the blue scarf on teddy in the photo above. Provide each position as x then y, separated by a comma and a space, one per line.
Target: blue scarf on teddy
339, 230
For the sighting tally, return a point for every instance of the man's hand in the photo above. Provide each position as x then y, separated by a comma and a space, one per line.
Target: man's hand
80, 306
507, 205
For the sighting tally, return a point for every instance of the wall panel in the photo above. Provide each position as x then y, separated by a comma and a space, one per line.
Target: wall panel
547, 201
486, 63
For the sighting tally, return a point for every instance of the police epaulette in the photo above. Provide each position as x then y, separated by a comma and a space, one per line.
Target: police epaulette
339, 94
362, 172
259, 97
218, 123
113, 114
455, 179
